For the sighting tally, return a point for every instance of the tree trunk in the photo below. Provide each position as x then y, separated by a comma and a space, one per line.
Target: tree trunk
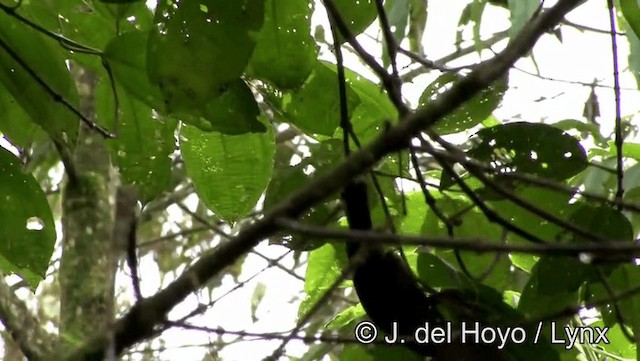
88, 265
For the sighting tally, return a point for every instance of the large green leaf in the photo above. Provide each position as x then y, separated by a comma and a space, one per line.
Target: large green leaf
521, 12
18, 71
346, 316
398, 17
374, 110
315, 107
324, 267
286, 53
532, 148
470, 223
552, 202
94, 24
416, 211
357, 14
284, 181
235, 111
436, 273
229, 172
143, 145
631, 11
470, 113
602, 221
553, 287
621, 280
471, 16
197, 47
15, 123
27, 230
126, 54
105, 21
634, 47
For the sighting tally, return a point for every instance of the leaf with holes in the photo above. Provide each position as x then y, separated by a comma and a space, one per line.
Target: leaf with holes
144, 143
357, 14
472, 112
216, 37
285, 53
27, 231
537, 149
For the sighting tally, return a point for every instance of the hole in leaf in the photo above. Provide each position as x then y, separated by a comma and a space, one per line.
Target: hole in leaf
35, 224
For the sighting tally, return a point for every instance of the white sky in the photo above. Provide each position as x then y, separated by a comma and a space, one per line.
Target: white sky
582, 57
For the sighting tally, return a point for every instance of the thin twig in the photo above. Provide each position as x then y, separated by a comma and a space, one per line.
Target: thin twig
616, 91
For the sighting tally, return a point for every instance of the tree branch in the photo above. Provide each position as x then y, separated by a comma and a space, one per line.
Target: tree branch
141, 321
23, 327
622, 251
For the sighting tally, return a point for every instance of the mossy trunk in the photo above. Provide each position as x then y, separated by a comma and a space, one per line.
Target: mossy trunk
88, 265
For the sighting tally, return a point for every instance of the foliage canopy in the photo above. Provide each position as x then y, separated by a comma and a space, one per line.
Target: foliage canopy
236, 112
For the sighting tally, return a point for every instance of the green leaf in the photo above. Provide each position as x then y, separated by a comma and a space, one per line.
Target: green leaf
470, 223
17, 76
357, 14
285, 53
234, 112
94, 24
398, 17
471, 16
602, 221
624, 278
144, 143
417, 24
634, 50
554, 286
285, 180
315, 107
436, 273
618, 344
469, 114
27, 230
416, 212
229, 172
119, 1
126, 54
631, 11
347, 316
552, 202
16, 124
629, 150
216, 37
521, 12
374, 109
633, 195
531, 148
324, 267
